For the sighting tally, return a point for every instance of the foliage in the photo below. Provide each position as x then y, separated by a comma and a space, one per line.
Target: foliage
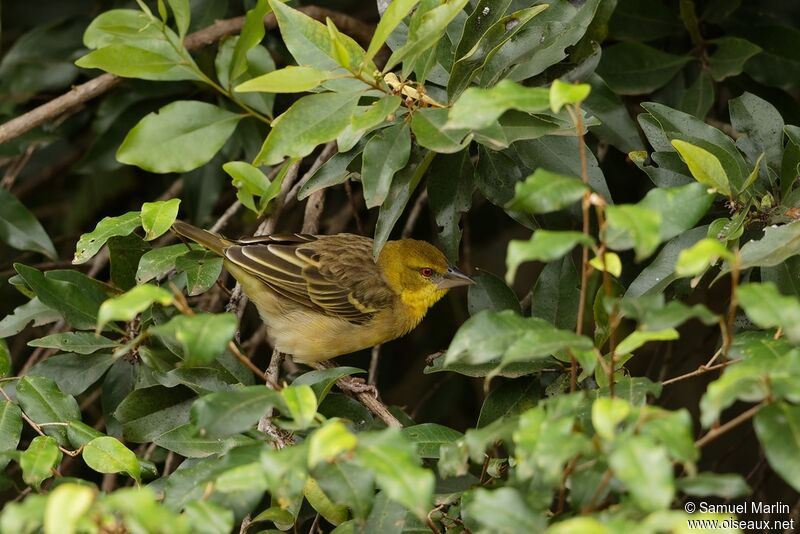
634, 161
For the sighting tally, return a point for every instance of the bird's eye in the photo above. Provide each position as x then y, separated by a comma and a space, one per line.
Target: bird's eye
427, 272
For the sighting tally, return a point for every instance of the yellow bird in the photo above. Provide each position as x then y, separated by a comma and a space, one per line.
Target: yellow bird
324, 296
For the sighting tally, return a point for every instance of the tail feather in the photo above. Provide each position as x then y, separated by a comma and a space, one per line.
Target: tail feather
212, 242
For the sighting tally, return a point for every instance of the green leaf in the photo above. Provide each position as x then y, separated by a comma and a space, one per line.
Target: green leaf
680, 207
545, 191
384, 154
729, 57
762, 128
724, 486
704, 166
150, 412
450, 185
39, 460
507, 336
422, 36
311, 121
778, 244
635, 68
33, 310
778, 64
478, 108
80, 434
67, 505
768, 308
699, 96
562, 93
301, 403
636, 339
556, 294
107, 455
510, 398
157, 217
311, 45
403, 186
184, 440
322, 380
332, 172
75, 296
778, 429
502, 511
289, 79
229, 412
347, 483
124, 254
156, 60
428, 125
765, 372
700, 256
329, 441
643, 20
20, 229
202, 270
182, 13
390, 19
609, 263
490, 293
203, 336
545, 246
396, 466
78, 342
607, 414
365, 119
43, 402
616, 124
645, 470
252, 33
666, 124
158, 262
90, 243
250, 182
207, 517
501, 32
131, 303
181, 136
74, 373
428, 437
629, 225
10, 428
544, 43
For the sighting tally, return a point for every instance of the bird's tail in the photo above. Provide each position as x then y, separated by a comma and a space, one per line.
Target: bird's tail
212, 242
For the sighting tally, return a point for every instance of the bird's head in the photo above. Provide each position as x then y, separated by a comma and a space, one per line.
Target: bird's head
419, 272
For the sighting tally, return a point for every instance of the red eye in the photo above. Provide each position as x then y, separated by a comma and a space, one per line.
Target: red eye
427, 272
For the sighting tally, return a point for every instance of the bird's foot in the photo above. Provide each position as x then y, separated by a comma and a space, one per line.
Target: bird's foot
356, 385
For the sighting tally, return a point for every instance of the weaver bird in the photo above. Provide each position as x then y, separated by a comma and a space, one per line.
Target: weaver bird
324, 296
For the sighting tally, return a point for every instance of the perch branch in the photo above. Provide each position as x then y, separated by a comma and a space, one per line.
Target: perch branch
95, 87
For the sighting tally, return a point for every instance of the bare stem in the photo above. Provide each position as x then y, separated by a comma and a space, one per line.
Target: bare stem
714, 433
585, 206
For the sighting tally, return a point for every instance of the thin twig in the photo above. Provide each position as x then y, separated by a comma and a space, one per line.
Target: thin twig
703, 369
714, 433
585, 206
222, 28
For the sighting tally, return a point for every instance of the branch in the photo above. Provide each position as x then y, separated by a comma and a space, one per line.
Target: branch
95, 87
713, 434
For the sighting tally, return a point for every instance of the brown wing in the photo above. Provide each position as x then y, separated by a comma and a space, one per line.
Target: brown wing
331, 274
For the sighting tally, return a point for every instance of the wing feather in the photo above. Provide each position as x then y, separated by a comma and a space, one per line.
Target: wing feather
298, 267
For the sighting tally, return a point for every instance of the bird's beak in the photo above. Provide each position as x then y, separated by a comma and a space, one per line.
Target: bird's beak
454, 278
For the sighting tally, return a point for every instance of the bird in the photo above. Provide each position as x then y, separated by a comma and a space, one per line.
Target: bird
323, 296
